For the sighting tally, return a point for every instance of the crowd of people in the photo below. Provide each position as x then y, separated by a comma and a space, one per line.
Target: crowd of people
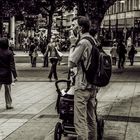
120, 51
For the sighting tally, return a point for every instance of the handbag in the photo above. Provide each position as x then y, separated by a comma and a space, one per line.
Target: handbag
59, 54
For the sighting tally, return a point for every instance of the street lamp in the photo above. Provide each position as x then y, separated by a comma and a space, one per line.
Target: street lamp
116, 35
109, 25
125, 21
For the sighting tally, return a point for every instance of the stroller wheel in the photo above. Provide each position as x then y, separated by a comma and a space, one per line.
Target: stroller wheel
58, 131
65, 134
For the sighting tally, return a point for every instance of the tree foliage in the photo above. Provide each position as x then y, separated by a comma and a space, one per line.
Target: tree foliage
94, 9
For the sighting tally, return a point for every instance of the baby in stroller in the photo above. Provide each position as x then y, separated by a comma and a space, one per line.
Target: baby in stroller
65, 109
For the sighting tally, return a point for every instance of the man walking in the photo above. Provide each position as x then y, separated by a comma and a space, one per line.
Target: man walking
121, 50
7, 68
85, 93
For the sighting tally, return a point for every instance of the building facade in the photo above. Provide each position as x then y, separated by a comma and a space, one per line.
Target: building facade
123, 20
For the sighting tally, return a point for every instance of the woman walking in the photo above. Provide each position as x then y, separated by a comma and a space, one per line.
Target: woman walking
53, 56
7, 69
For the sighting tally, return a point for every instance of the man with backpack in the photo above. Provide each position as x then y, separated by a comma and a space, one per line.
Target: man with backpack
85, 93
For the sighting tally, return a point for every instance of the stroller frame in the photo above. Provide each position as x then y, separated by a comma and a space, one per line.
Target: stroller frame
67, 125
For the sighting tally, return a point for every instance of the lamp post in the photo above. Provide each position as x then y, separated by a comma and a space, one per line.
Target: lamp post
109, 26
125, 21
116, 35
1, 26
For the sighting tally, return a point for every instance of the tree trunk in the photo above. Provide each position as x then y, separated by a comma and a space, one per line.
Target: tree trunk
49, 27
1, 26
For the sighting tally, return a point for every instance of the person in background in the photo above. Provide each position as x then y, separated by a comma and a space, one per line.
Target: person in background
131, 54
121, 51
45, 61
7, 69
53, 57
11, 45
33, 53
113, 53
129, 43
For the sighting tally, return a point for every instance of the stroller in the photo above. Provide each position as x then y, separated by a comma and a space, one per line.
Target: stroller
65, 109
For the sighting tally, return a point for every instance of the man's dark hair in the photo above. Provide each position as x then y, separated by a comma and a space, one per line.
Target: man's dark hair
4, 43
84, 23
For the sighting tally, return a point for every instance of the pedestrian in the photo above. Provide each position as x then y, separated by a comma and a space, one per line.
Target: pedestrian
11, 45
44, 52
131, 54
129, 43
121, 51
53, 57
25, 44
57, 46
113, 53
33, 53
85, 93
7, 69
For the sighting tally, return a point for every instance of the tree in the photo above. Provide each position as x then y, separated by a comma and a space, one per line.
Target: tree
48, 8
94, 9
10, 8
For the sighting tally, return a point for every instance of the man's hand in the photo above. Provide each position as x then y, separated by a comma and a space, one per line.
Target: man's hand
73, 71
15, 80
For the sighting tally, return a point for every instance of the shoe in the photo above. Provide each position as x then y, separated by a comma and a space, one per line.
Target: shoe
9, 107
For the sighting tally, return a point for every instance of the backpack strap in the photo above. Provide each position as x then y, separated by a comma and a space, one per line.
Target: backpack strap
82, 63
93, 43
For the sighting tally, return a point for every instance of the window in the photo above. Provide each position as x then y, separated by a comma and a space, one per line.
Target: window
135, 5
121, 7
115, 8
131, 5
138, 4
127, 2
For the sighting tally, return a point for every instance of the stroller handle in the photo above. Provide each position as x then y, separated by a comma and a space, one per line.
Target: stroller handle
62, 81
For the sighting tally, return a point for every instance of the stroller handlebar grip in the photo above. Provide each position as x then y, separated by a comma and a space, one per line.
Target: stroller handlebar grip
62, 81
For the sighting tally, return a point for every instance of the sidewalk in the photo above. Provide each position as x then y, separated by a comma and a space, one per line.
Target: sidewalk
27, 73
34, 116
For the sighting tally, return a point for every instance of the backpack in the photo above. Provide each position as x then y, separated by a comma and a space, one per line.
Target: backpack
99, 71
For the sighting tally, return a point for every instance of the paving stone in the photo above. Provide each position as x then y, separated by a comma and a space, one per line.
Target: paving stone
133, 131
114, 130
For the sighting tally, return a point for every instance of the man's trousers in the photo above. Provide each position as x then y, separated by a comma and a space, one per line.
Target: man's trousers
84, 114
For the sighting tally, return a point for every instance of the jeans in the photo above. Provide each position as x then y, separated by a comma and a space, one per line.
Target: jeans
84, 115
131, 60
8, 98
121, 61
53, 68
33, 61
45, 62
